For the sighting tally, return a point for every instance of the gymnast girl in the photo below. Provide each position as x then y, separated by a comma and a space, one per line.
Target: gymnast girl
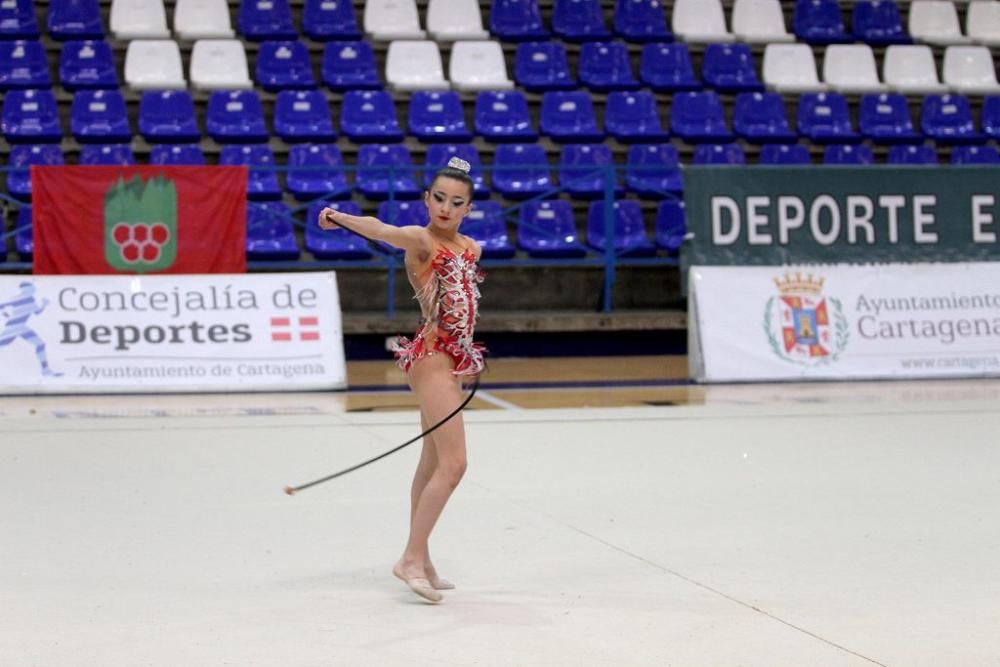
442, 266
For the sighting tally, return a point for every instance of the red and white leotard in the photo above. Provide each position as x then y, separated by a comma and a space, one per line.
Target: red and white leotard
448, 293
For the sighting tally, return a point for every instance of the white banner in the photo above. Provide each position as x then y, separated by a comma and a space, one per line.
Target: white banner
116, 334
840, 322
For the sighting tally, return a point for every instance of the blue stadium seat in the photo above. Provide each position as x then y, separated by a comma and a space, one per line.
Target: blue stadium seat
270, 232
878, 22
653, 170
517, 20
349, 66
671, 225
262, 181
438, 156
641, 21
579, 20
335, 243
975, 155
574, 177
568, 116
720, 154
284, 66
377, 184
521, 171
30, 116
729, 68
24, 241
632, 117
177, 154
437, 116
885, 118
99, 117
87, 64
824, 118
23, 64
236, 116
819, 22
989, 116
548, 229
17, 20
106, 155
784, 154
167, 116
848, 154
260, 20
370, 115
698, 117
503, 116
606, 66
667, 67
541, 66
74, 19
485, 223
317, 170
323, 20
913, 155
303, 115
761, 118
25, 155
629, 231
948, 119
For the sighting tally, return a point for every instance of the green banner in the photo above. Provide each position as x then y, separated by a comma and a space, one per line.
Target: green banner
807, 215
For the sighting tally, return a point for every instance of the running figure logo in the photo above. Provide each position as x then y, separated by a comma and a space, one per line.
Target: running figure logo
17, 311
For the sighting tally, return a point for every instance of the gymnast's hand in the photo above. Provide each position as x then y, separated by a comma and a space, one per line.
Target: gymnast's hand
327, 217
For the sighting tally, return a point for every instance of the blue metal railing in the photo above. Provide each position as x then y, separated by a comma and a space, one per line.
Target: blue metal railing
610, 258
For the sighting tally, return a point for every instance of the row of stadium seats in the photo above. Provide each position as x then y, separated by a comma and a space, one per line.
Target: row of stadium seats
544, 229
100, 116
813, 21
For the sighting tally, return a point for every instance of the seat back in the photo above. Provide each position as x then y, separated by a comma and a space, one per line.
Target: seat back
948, 118
25, 155
885, 117
913, 154
202, 19
503, 116
138, 19
698, 116
349, 66
478, 65
303, 115
976, 155
667, 67
177, 154
548, 228
757, 21
261, 184
323, 20
23, 64
720, 154
284, 66
878, 22
323, 172
377, 183
74, 19
824, 117
415, 65
671, 225
386, 20
167, 116
790, 67
851, 68
579, 20
437, 116
989, 116
787, 154
606, 66
848, 154
154, 64
259, 20
517, 20
541, 66
729, 68
633, 116
521, 170
982, 22
485, 223
818, 22
581, 169
761, 117
235, 117
17, 20
31, 116
369, 115
910, 68
568, 115
653, 170
700, 21
99, 116
450, 20
641, 20
628, 227
219, 64
969, 69
935, 21
87, 64
106, 154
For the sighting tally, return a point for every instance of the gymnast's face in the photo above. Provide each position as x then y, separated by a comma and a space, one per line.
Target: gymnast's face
448, 202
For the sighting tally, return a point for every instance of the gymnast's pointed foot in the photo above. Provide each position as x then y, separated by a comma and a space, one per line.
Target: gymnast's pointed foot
418, 584
437, 582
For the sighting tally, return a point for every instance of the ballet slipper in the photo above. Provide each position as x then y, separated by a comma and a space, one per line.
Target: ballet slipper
419, 585
441, 584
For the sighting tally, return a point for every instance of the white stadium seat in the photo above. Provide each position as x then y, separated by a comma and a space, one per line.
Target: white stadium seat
415, 65
760, 21
700, 21
202, 19
910, 68
219, 64
138, 19
935, 22
451, 20
478, 65
970, 70
387, 20
154, 64
791, 68
982, 22
851, 68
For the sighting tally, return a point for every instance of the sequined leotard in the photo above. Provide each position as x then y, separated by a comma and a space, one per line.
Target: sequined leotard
448, 293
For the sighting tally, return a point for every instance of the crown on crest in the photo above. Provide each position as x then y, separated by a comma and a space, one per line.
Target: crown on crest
798, 285
460, 164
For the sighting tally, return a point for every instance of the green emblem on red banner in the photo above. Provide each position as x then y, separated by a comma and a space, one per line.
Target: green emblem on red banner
140, 224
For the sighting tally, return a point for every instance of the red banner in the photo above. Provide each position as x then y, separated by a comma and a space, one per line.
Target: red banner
143, 219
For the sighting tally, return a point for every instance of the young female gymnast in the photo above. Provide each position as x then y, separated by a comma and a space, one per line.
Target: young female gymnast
442, 266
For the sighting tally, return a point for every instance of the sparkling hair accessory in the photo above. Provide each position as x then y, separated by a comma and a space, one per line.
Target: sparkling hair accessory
460, 164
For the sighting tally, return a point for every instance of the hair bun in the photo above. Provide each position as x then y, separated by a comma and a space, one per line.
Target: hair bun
460, 164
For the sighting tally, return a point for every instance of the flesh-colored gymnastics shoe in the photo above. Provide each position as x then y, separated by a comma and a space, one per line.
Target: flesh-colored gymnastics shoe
419, 585
441, 584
